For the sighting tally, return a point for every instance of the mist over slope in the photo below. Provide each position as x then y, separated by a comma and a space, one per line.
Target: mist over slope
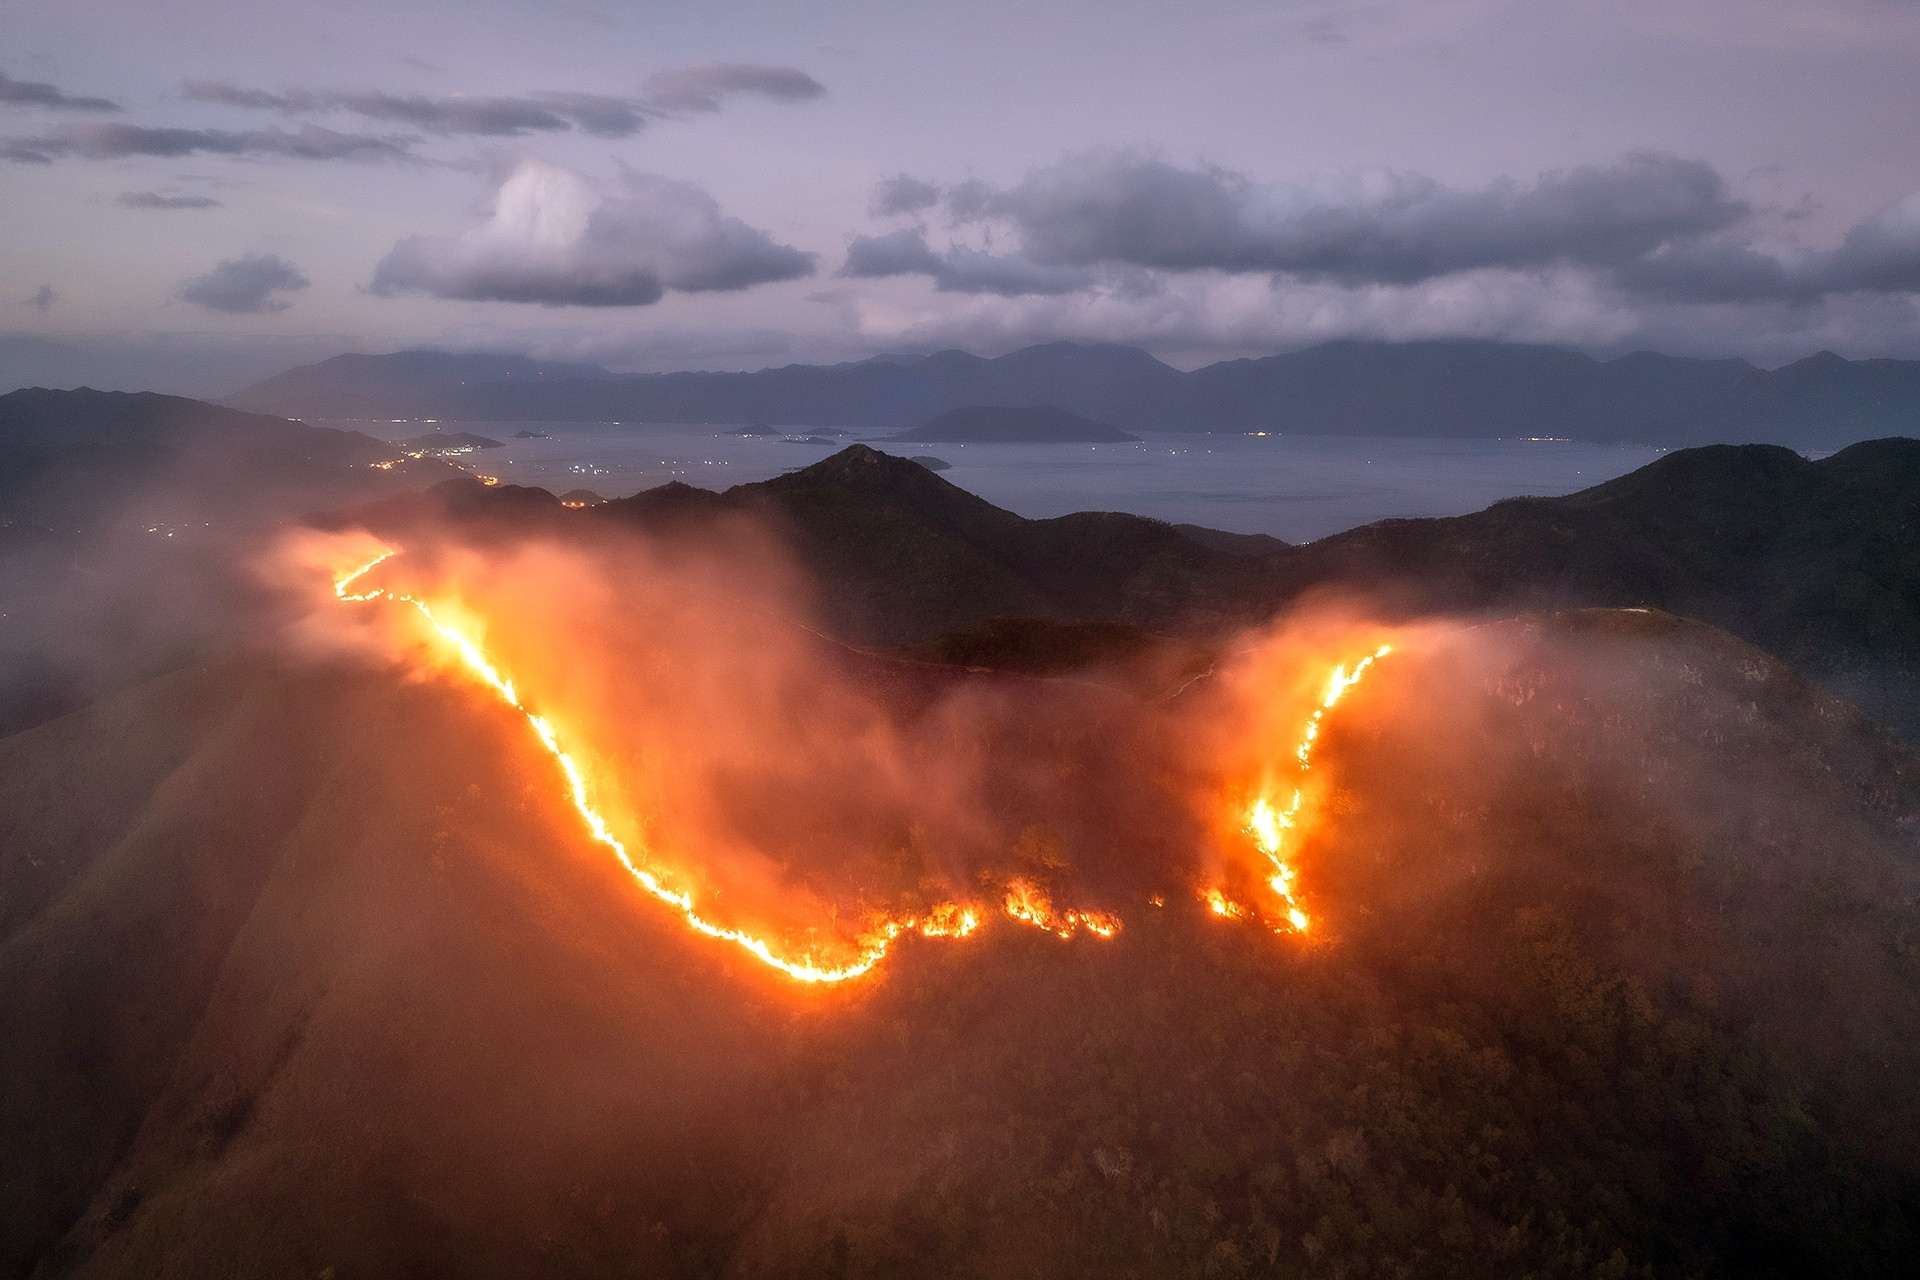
310, 961
123, 517
1816, 562
1457, 389
316, 971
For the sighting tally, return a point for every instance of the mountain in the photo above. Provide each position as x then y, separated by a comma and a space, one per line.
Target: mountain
306, 970
381, 387
994, 424
1459, 389
1816, 562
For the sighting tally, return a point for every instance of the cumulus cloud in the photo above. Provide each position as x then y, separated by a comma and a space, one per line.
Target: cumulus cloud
556, 238
247, 285
959, 269
93, 141
499, 117
706, 88
154, 200
1650, 226
1881, 254
36, 93
903, 195
1377, 227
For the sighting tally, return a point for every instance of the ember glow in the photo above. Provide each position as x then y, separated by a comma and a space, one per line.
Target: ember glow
807, 932
1268, 823
1030, 904
944, 920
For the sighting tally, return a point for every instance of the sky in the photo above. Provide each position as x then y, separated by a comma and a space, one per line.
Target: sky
197, 194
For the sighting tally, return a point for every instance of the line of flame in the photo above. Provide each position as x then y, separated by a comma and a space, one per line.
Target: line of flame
946, 920
1268, 825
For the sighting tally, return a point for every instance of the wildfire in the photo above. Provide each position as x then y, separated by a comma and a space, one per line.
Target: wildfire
1268, 824
1030, 904
946, 920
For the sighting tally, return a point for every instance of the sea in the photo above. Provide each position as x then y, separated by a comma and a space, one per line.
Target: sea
1294, 487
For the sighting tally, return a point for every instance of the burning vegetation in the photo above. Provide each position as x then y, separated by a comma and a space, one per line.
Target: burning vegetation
556, 905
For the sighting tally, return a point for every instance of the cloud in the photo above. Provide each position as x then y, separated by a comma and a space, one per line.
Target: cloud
498, 117
558, 239
1652, 227
705, 88
154, 200
118, 141
1880, 254
35, 93
903, 194
248, 285
1365, 228
678, 89
42, 298
959, 269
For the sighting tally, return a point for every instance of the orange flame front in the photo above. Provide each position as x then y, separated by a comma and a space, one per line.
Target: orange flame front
1268, 823
945, 920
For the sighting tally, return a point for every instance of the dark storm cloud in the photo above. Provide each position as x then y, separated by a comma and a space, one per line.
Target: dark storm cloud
497, 117
119, 141
36, 93
705, 88
1371, 229
245, 286
903, 194
154, 200
559, 240
958, 269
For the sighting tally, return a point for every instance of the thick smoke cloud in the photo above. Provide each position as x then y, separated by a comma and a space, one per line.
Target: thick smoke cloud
557, 239
706, 88
37, 93
249, 285
119, 141
155, 200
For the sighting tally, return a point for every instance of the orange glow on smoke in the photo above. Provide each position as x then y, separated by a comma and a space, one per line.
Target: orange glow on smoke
946, 920
1268, 823
787, 927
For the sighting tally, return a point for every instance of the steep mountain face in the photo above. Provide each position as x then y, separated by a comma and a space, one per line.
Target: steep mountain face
310, 969
1458, 389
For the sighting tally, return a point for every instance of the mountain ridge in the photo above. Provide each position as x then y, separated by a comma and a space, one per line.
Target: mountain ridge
1450, 388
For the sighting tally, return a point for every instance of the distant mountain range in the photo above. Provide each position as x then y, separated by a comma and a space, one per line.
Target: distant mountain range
1457, 389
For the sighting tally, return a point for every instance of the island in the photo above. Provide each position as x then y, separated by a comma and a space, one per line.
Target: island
1004, 424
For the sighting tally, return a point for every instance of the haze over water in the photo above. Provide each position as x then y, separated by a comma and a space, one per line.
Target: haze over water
1293, 487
